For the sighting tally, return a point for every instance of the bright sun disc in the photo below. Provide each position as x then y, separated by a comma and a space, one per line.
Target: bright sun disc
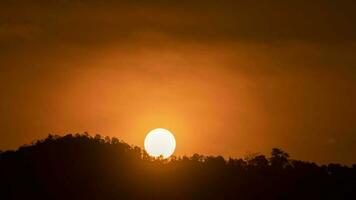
160, 142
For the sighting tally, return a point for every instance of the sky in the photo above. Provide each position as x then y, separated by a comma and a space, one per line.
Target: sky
226, 77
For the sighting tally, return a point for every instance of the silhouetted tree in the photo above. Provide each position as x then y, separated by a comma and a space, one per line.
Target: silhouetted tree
279, 158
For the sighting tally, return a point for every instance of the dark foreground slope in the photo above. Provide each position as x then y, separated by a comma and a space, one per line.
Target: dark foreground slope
84, 167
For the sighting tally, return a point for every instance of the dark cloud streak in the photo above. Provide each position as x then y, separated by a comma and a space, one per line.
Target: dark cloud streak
207, 21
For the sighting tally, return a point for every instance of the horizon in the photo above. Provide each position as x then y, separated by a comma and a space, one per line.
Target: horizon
106, 139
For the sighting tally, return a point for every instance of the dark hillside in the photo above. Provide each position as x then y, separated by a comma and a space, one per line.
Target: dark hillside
84, 167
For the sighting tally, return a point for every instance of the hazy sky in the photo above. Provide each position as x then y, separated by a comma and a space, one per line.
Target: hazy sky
225, 77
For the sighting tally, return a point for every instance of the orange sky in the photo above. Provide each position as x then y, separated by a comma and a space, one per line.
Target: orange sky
225, 78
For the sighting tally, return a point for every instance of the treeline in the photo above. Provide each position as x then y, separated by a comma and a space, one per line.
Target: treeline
81, 166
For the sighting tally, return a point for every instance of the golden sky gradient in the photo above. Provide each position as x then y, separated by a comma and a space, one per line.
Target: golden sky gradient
226, 78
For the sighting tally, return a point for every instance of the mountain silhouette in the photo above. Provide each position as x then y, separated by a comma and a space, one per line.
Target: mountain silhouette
81, 166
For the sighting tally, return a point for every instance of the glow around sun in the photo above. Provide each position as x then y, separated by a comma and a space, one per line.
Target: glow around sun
160, 142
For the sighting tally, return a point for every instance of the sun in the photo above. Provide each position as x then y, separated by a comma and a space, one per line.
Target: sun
160, 142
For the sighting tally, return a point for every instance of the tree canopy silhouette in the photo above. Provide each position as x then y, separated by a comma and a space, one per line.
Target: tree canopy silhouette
81, 166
